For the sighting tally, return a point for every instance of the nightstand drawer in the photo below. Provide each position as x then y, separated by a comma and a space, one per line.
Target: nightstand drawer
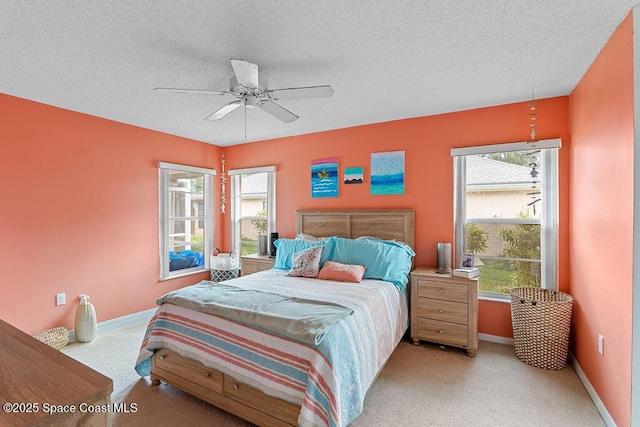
249, 267
442, 332
443, 291
253, 263
447, 311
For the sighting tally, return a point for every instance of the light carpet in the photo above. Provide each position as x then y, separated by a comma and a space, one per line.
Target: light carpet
422, 385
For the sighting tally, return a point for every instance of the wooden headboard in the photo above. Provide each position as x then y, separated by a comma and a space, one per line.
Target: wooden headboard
385, 224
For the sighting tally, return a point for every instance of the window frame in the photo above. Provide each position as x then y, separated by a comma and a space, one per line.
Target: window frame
236, 219
549, 217
164, 218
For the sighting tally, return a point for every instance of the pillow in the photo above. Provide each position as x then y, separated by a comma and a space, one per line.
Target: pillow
384, 260
304, 236
306, 263
342, 272
287, 247
377, 239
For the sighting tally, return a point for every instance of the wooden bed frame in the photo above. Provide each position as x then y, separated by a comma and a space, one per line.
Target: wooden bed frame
247, 402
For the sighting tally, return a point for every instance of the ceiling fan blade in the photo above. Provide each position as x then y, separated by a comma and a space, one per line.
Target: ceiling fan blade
202, 91
224, 110
302, 92
246, 73
277, 111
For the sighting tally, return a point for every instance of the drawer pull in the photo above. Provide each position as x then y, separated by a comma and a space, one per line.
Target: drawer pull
208, 375
235, 386
441, 310
441, 291
162, 356
441, 331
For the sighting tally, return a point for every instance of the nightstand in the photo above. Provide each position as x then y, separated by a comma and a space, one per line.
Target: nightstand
444, 309
253, 263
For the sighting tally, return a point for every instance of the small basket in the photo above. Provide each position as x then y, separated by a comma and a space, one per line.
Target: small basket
56, 337
541, 320
221, 275
223, 266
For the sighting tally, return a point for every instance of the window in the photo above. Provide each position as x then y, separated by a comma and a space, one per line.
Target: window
253, 210
506, 213
186, 219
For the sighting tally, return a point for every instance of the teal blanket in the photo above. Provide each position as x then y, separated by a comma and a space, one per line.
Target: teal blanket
299, 319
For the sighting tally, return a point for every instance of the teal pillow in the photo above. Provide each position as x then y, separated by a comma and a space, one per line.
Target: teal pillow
385, 260
285, 248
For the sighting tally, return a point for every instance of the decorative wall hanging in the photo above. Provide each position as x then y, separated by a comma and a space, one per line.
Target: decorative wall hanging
532, 114
223, 187
387, 173
534, 158
353, 175
324, 177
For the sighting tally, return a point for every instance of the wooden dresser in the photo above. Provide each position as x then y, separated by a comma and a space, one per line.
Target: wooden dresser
444, 309
250, 264
41, 386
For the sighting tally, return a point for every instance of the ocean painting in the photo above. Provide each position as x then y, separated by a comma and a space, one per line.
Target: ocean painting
353, 175
387, 173
324, 177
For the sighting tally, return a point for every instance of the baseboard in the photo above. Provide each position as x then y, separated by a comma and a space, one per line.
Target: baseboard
496, 339
119, 322
592, 392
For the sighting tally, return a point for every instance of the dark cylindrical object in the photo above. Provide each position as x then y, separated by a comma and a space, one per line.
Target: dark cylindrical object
272, 247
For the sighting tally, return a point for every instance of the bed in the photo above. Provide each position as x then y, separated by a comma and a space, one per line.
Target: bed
268, 376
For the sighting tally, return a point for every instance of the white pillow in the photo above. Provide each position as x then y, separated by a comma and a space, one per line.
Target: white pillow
304, 236
306, 263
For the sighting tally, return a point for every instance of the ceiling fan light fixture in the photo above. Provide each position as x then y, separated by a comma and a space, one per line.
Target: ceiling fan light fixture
244, 86
251, 101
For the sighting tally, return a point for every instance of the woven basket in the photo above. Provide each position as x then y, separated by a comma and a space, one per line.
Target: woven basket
541, 321
56, 337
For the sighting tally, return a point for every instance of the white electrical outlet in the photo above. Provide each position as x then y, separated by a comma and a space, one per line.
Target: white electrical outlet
601, 344
61, 299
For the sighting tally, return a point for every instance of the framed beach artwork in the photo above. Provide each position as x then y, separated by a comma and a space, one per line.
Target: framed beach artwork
353, 175
324, 177
387, 173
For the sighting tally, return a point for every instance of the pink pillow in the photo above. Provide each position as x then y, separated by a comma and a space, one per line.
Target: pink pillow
342, 272
306, 263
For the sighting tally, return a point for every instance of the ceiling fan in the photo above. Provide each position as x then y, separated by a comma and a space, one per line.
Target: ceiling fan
244, 86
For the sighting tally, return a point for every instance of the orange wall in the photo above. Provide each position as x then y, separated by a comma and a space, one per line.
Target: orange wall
601, 225
87, 195
429, 173
79, 213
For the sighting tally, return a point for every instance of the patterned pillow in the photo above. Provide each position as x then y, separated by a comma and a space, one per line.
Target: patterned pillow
306, 263
342, 272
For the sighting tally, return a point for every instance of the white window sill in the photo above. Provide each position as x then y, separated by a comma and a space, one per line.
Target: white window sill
186, 273
494, 298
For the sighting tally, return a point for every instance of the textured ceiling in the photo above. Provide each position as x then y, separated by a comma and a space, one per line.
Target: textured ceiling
386, 60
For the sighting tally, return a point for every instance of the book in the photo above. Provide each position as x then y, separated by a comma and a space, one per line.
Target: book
467, 272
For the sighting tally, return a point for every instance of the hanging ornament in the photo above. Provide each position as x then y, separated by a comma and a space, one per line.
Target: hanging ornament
223, 187
533, 164
532, 114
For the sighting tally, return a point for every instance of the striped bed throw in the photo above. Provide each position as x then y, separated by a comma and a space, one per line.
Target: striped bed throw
328, 380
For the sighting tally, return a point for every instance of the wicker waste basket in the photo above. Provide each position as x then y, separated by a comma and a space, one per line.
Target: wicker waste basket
56, 337
541, 321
